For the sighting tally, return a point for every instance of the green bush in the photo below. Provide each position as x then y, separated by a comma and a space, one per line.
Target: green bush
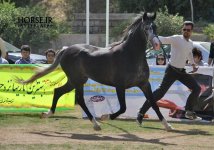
168, 24
209, 31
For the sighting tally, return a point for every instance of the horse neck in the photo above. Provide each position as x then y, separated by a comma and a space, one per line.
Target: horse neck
136, 43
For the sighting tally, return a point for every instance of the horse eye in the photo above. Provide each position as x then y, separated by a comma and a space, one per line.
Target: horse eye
147, 27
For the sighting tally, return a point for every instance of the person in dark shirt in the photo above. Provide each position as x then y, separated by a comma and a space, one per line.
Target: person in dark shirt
211, 55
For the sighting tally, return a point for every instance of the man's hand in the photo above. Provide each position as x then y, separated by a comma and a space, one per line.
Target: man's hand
194, 68
156, 43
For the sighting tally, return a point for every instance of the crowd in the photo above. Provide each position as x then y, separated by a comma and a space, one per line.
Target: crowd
26, 56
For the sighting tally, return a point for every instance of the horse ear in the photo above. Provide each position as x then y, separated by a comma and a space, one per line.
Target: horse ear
154, 16
145, 17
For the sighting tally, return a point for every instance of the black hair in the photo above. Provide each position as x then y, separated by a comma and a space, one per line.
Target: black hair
50, 50
0, 52
186, 23
25, 48
163, 57
197, 52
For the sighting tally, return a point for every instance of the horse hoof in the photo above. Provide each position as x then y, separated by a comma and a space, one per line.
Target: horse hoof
167, 126
139, 119
46, 114
97, 128
105, 117
96, 125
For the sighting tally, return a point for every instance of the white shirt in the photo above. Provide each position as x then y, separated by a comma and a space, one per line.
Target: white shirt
3, 61
181, 50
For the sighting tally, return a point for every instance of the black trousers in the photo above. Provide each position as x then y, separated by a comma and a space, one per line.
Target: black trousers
171, 75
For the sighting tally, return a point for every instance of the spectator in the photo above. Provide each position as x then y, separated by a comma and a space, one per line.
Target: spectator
2, 47
25, 59
50, 56
160, 59
2, 60
211, 56
198, 57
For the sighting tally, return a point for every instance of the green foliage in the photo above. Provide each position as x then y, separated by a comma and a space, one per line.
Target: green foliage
136, 6
209, 31
17, 35
168, 24
202, 9
8, 29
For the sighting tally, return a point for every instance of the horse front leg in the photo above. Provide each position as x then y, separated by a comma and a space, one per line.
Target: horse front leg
58, 92
146, 88
122, 102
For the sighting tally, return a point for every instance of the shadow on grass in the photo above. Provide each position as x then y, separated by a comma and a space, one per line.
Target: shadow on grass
99, 137
186, 121
184, 132
126, 136
35, 115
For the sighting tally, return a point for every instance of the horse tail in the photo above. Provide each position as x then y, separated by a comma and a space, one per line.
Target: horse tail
43, 72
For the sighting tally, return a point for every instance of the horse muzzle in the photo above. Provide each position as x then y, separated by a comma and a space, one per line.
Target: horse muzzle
155, 43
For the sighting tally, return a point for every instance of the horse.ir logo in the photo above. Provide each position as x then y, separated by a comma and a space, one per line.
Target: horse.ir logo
35, 22
97, 98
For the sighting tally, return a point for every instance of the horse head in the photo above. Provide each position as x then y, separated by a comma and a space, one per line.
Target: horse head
149, 29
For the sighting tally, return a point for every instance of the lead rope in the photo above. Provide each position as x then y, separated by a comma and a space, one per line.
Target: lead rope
164, 52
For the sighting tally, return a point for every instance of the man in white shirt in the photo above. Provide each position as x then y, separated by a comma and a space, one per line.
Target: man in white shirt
181, 51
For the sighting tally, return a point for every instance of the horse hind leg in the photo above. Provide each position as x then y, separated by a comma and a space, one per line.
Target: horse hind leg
122, 102
146, 88
58, 92
80, 99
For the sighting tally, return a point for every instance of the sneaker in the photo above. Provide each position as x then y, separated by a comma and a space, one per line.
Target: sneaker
167, 126
139, 119
192, 115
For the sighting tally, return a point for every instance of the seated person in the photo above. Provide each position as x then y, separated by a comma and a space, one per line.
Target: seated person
25, 59
198, 57
160, 59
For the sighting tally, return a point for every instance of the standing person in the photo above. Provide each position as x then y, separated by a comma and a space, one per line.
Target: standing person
2, 47
50, 56
160, 59
2, 60
181, 48
211, 55
25, 52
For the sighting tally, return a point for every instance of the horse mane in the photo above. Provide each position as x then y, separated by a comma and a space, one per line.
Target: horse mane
129, 30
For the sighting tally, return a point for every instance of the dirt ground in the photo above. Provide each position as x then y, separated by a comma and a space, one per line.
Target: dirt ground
185, 136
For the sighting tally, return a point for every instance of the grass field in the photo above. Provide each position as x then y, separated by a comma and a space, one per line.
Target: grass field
67, 130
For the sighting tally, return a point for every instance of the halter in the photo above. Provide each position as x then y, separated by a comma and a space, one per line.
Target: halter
151, 37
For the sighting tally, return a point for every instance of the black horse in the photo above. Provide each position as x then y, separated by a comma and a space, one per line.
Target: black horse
123, 65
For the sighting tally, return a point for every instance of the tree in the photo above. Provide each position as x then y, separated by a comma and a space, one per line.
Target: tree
202, 9
17, 35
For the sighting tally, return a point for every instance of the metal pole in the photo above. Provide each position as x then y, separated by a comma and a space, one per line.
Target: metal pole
107, 22
192, 10
87, 21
